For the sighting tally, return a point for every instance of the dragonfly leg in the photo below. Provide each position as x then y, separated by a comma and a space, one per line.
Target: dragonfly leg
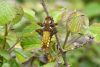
40, 31
53, 31
40, 24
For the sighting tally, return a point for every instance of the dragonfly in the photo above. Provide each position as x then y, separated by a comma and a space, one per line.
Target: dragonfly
47, 31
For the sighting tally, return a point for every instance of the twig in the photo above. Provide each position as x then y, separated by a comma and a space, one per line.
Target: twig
65, 59
45, 8
5, 35
61, 51
10, 49
5, 40
58, 43
66, 38
56, 35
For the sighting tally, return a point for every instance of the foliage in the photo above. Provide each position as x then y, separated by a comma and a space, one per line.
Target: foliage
20, 44
9, 12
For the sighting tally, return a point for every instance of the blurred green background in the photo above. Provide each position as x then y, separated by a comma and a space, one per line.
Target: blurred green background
81, 57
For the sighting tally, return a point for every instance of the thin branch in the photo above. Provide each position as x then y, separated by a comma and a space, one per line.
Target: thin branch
10, 49
61, 51
65, 59
58, 43
5, 36
45, 8
5, 39
66, 38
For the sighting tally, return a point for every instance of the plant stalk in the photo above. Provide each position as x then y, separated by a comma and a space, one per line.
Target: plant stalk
5, 36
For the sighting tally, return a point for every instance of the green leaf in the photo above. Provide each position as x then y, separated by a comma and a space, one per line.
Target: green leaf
49, 64
36, 63
9, 12
19, 14
21, 55
56, 15
29, 30
77, 22
6, 65
14, 63
31, 42
24, 28
96, 60
20, 26
1, 30
95, 30
86, 63
11, 39
92, 9
5, 54
28, 13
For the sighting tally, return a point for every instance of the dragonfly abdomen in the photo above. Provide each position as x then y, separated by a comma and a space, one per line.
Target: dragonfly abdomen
45, 40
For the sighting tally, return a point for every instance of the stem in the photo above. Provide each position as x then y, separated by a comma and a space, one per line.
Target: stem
66, 39
65, 59
5, 40
63, 53
58, 43
45, 8
5, 35
10, 49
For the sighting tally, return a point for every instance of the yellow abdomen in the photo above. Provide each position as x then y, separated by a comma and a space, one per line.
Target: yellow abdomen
46, 39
